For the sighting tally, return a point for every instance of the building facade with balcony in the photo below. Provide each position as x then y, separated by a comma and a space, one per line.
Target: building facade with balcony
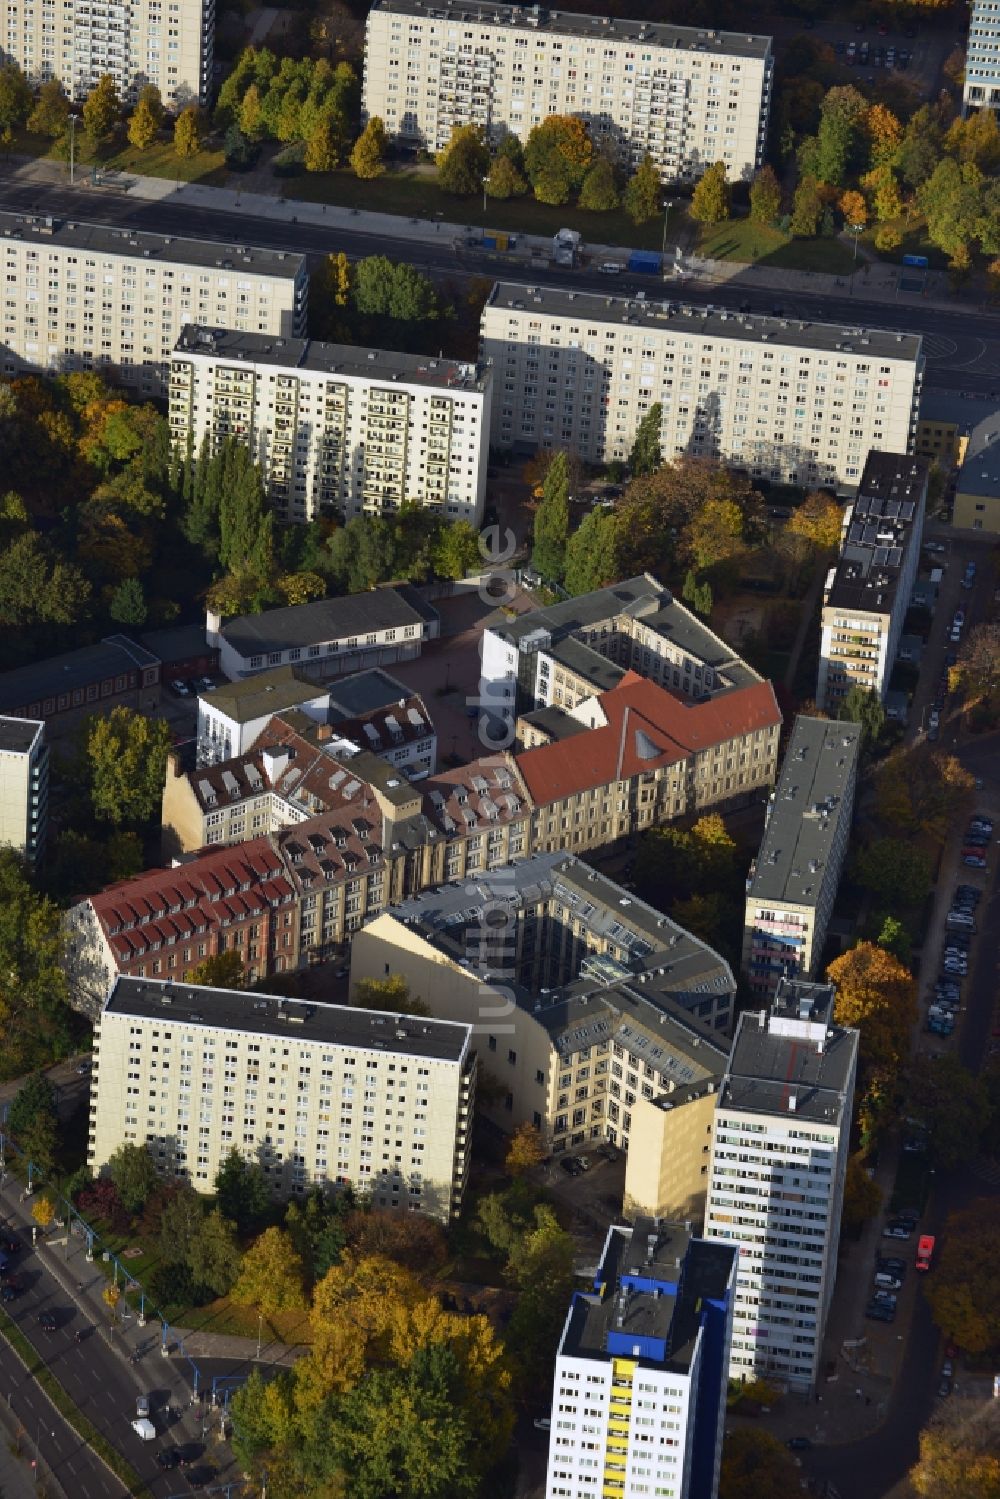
796, 402
336, 428
776, 1187
319, 1094
169, 43
981, 84
688, 98
24, 787
793, 881
868, 592
639, 1391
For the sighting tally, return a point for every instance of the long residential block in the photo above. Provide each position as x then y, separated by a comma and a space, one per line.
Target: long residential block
867, 593
687, 97
793, 881
787, 400
981, 86
318, 1094
86, 296
24, 787
776, 1184
639, 1393
337, 428
168, 43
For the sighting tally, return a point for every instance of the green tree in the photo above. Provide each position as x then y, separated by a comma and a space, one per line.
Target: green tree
954, 1104
389, 289
842, 116
559, 148
187, 133
464, 162
765, 197
102, 110
592, 552
960, 1452
126, 763
128, 603
37, 588
540, 1267
505, 180
921, 147
271, 1275
147, 118
392, 994
368, 153
807, 209
34, 1122
647, 454
551, 528
895, 870
863, 705
643, 192
456, 551
132, 1170
242, 1190
894, 937
950, 200
245, 523
710, 203
180, 1223
214, 1256
50, 115
223, 970
15, 100
599, 191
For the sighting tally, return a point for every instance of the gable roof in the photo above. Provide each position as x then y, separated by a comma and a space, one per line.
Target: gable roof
301, 625
645, 728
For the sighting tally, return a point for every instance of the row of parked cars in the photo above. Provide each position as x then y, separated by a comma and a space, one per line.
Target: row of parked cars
879, 57
576, 1165
185, 687
946, 999
978, 836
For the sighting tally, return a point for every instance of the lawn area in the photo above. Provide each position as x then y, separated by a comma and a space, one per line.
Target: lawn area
161, 160
742, 240
412, 191
915, 242
225, 1316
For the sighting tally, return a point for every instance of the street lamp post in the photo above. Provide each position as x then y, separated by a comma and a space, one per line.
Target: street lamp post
260, 1324
668, 205
72, 149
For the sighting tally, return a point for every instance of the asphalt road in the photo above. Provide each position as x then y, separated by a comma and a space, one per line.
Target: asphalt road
961, 344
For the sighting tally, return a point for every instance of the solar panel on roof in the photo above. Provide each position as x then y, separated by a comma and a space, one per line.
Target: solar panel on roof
891, 509
861, 505
895, 556
881, 556
870, 535
907, 510
856, 532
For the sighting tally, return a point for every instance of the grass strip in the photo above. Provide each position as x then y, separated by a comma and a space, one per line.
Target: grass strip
67, 1408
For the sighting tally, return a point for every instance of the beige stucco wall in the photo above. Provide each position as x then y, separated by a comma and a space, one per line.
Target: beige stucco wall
666, 1173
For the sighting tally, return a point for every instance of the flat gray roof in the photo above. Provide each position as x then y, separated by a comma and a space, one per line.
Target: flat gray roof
266, 693
534, 18
132, 244
270, 1015
669, 974
885, 521
980, 471
309, 354
677, 316
81, 668
804, 815
17, 735
776, 1074
323, 620
366, 692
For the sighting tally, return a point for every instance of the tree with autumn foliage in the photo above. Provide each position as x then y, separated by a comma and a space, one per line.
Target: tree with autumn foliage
223, 970
862, 1198
878, 996
954, 1104
558, 154
922, 790
755, 1465
818, 521
977, 670
272, 1275
854, 209
525, 1151
960, 1452
962, 1289
882, 185
668, 518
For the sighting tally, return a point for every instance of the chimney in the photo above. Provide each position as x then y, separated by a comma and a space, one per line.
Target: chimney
791, 1103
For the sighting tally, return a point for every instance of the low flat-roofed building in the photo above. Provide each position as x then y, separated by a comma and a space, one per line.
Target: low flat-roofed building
232, 717
583, 997
417, 1076
792, 884
335, 428
977, 490
329, 637
867, 591
783, 1122
652, 1336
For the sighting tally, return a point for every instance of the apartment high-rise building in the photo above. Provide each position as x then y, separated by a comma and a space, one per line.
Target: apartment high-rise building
639, 1392
687, 97
981, 89
776, 1184
24, 786
168, 43
796, 402
337, 428
364, 1098
868, 591
793, 882
86, 296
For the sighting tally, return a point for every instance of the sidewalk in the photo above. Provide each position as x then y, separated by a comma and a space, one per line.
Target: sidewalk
873, 282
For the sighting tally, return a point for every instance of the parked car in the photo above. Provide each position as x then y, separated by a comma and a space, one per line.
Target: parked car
897, 1231
542, 1423
182, 688
10, 1290
571, 1165
168, 1458
892, 1264
798, 1444
944, 1387
877, 1313
584, 1162
47, 1321
973, 863
884, 1298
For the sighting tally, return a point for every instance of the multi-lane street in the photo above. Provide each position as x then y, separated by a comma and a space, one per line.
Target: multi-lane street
962, 344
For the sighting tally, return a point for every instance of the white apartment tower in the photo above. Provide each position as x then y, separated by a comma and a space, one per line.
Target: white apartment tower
689, 98
780, 1141
335, 427
320, 1094
84, 296
166, 42
867, 593
24, 786
981, 89
787, 400
639, 1392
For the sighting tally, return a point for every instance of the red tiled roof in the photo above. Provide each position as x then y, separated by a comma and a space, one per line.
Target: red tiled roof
647, 727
